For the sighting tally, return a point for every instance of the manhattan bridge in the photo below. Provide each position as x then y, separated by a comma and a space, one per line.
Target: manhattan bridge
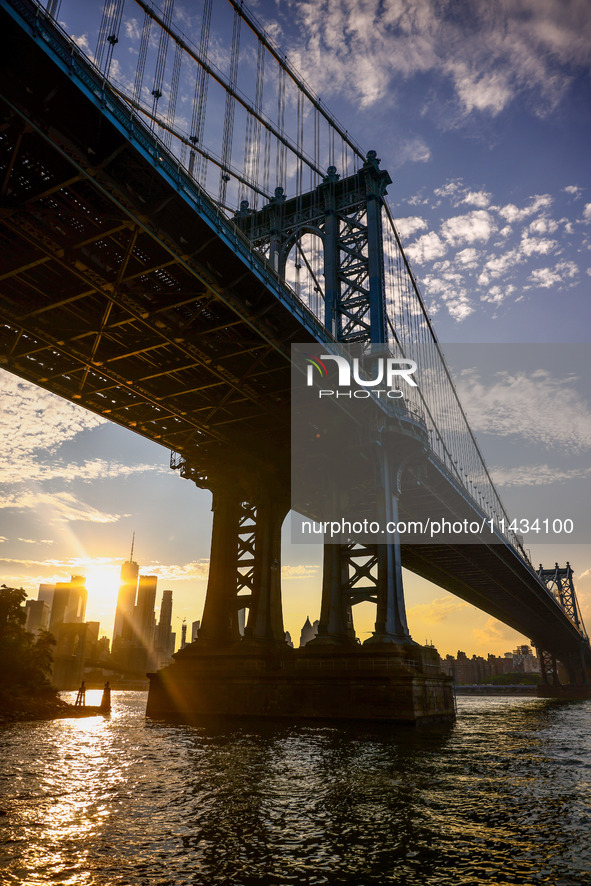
179, 209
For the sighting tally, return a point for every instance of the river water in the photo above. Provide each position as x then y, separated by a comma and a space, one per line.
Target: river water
502, 796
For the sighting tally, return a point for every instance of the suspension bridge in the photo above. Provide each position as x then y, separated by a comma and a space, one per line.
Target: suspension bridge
178, 209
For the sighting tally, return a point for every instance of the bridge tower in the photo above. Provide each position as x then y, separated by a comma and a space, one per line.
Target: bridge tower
251, 502
559, 581
346, 214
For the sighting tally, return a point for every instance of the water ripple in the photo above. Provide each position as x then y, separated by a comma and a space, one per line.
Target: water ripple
503, 796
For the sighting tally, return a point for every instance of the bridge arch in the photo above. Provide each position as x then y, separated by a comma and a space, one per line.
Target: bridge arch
302, 266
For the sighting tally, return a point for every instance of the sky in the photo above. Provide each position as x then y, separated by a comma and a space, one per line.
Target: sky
482, 115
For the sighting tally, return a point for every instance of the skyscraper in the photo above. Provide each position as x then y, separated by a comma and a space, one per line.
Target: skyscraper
123, 629
124, 614
37, 616
69, 602
164, 639
144, 622
46, 593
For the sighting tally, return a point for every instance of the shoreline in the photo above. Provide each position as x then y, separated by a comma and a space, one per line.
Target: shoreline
30, 709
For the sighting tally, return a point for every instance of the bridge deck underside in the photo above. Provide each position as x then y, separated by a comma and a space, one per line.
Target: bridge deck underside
115, 293
492, 578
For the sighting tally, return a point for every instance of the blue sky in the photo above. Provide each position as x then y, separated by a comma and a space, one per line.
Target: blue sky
482, 114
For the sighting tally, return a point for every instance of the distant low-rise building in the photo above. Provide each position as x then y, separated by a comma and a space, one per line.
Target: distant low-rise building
476, 670
309, 631
524, 661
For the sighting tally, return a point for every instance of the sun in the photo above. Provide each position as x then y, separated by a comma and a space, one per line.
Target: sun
102, 584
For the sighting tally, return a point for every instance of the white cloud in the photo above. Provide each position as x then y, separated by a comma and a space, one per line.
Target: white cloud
587, 212
543, 226
544, 278
36, 541
574, 190
458, 304
547, 277
498, 265
437, 610
489, 56
196, 569
539, 246
476, 225
468, 257
300, 571
33, 425
132, 29
83, 44
536, 475
452, 190
494, 262
497, 294
478, 91
33, 419
30, 469
57, 507
481, 199
410, 150
427, 248
419, 199
538, 203
523, 405
495, 631
406, 227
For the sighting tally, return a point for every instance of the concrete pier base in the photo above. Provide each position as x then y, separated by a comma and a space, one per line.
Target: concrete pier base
566, 692
397, 684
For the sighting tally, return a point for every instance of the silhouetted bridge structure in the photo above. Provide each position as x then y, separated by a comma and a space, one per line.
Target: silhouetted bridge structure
129, 286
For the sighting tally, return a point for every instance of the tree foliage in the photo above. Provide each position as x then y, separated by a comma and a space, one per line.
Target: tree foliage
25, 659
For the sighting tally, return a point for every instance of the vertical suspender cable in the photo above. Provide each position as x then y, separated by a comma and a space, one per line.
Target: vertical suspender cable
258, 103
200, 100
229, 112
161, 58
174, 89
108, 33
281, 149
141, 59
53, 8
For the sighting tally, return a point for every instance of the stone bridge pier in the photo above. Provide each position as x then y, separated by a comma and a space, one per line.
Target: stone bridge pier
254, 673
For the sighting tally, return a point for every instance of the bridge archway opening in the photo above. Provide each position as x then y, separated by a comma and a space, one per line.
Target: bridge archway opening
303, 268
364, 618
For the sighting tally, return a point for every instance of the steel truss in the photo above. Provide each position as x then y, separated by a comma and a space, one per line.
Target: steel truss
559, 582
